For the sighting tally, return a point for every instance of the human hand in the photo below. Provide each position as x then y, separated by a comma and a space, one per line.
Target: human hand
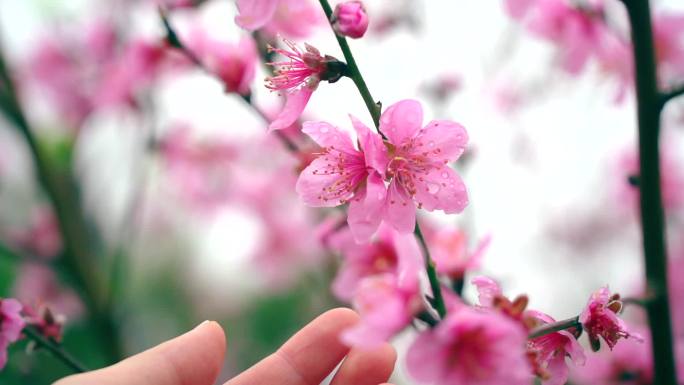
196, 358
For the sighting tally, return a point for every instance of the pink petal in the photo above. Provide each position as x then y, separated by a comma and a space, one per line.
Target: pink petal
558, 370
327, 135
410, 260
372, 146
574, 349
294, 106
365, 210
254, 14
442, 189
310, 185
487, 289
400, 212
445, 139
423, 359
402, 121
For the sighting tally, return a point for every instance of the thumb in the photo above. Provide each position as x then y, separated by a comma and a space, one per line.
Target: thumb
195, 358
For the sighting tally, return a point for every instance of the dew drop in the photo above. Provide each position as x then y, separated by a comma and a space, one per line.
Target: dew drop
431, 143
445, 175
433, 188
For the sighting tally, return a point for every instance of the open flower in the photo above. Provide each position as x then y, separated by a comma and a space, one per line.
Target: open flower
341, 172
599, 318
388, 302
471, 346
418, 172
11, 325
298, 78
549, 351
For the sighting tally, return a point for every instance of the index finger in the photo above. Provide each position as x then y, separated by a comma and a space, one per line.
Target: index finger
306, 358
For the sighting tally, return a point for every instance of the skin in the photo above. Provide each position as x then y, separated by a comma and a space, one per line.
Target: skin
308, 357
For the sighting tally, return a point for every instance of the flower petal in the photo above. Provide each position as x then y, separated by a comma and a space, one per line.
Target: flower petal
441, 189
327, 135
400, 211
487, 289
372, 146
314, 182
294, 106
446, 140
254, 14
365, 210
402, 121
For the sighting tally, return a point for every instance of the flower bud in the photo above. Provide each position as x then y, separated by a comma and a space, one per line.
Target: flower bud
350, 19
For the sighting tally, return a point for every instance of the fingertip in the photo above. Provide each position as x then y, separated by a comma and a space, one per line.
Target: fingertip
340, 315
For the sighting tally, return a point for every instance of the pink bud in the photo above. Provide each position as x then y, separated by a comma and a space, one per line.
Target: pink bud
350, 19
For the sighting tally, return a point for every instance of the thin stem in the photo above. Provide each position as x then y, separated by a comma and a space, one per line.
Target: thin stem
649, 106
438, 299
353, 70
555, 327
54, 348
174, 41
375, 110
62, 191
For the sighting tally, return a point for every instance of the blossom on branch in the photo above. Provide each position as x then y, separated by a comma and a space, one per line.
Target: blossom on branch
11, 325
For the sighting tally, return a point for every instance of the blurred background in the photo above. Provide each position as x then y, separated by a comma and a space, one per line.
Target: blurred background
191, 206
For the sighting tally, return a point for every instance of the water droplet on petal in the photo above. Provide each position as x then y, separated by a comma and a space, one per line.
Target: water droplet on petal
445, 175
431, 143
433, 188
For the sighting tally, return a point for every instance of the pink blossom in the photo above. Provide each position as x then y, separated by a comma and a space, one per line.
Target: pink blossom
629, 363
298, 78
36, 284
199, 168
387, 302
133, 70
576, 31
599, 318
292, 18
234, 64
11, 325
359, 261
450, 250
549, 352
41, 237
671, 179
418, 170
339, 172
45, 321
668, 32
473, 347
491, 296
350, 19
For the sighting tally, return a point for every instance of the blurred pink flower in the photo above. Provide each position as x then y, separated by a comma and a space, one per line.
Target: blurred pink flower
549, 352
199, 168
297, 78
490, 296
350, 19
629, 363
337, 175
668, 31
133, 70
418, 169
599, 318
359, 261
450, 250
41, 237
234, 64
388, 301
11, 325
37, 285
576, 30
292, 18
471, 347
671, 179
48, 324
